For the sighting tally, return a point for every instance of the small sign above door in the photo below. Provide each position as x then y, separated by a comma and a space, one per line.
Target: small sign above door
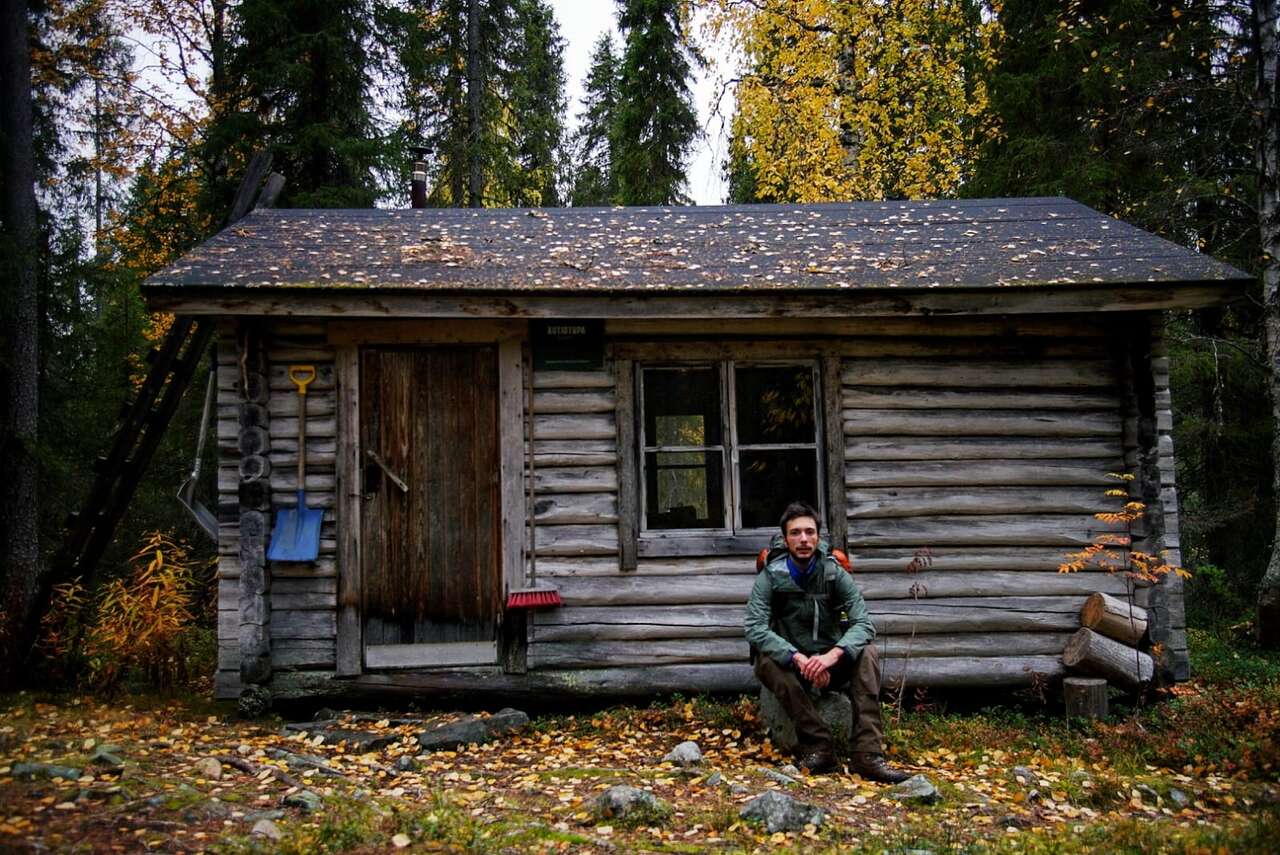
567, 345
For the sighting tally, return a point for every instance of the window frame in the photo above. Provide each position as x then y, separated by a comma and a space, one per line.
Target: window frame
730, 448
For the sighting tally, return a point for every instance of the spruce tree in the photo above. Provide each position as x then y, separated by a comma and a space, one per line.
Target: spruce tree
302, 70
656, 122
594, 181
537, 107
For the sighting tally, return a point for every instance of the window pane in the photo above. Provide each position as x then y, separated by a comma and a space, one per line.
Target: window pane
684, 490
775, 404
681, 407
771, 480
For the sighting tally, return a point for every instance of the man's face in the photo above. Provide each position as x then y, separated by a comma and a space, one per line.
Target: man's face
802, 538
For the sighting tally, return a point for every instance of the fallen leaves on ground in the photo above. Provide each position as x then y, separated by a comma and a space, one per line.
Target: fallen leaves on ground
146, 782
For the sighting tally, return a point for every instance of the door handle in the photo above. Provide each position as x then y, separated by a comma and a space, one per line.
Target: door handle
395, 479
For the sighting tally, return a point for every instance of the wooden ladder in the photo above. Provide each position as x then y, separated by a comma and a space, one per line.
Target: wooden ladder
142, 424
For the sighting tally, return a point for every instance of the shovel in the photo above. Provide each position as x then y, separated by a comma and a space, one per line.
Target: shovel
296, 536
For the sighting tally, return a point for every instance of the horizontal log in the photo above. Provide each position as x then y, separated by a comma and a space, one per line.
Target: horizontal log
894, 559
1068, 374
285, 624
285, 599
927, 501
568, 479
636, 590
574, 453
321, 451
284, 487
1115, 618
571, 540
572, 380
967, 474
956, 423
996, 644
286, 653
609, 654
967, 672
317, 428
1108, 449
278, 379
893, 617
572, 508
1028, 349
874, 397
555, 567
940, 531
558, 402
586, 426
1092, 653
320, 405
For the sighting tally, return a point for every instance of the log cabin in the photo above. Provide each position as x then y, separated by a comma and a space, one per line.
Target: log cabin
614, 404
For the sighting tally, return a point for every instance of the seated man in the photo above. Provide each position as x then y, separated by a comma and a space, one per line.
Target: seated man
793, 624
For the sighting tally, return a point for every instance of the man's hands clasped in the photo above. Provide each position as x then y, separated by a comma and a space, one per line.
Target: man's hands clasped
817, 669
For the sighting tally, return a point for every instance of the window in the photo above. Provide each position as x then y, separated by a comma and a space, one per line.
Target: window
725, 446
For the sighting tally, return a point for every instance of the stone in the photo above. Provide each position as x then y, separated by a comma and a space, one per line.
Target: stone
1024, 777
739, 789
273, 814
1013, 820
304, 761
268, 829
209, 769
790, 770
715, 779
775, 775
471, 729
1179, 798
107, 756
917, 789
1148, 795
405, 763
630, 804
685, 754
306, 800
780, 812
834, 708
30, 771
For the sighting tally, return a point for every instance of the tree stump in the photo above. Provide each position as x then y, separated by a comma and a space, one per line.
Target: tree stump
1085, 697
1114, 618
1097, 654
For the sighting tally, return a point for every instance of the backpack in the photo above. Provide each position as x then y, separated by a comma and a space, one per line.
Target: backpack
776, 549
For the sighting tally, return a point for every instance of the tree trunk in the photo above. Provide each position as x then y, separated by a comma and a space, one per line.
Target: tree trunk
18, 527
1267, 47
475, 101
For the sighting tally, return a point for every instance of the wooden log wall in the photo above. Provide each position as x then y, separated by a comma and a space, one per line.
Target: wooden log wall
302, 596
988, 442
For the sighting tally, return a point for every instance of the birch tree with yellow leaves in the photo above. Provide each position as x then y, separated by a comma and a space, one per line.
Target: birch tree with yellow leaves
856, 99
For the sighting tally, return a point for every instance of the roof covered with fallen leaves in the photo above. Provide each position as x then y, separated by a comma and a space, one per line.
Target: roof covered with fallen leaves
737, 248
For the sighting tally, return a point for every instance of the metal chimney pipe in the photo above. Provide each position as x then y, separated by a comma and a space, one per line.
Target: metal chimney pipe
418, 186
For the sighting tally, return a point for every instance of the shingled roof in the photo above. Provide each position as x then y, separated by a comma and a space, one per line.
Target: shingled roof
966, 244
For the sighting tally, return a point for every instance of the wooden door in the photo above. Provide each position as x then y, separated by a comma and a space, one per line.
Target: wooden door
430, 550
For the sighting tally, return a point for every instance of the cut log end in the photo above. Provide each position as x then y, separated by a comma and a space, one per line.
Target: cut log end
1095, 654
1114, 618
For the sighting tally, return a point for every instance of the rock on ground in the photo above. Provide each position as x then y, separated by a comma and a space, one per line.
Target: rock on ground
917, 789
268, 829
685, 754
834, 707
45, 770
623, 802
780, 812
308, 801
472, 729
209, 769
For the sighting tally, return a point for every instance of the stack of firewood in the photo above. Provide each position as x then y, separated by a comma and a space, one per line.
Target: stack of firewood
1105, 646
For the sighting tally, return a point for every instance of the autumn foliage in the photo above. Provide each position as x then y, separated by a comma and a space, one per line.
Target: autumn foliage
1111, 551
137, 625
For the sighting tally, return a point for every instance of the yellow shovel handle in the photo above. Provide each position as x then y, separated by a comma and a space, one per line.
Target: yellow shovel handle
302, 376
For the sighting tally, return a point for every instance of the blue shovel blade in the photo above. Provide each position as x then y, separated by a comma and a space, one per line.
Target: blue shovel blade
296, 536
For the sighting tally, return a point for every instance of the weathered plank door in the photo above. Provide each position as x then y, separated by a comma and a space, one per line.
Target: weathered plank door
431, 544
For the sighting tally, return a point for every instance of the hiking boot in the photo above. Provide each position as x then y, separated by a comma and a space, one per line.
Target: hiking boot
872, 767
817, 761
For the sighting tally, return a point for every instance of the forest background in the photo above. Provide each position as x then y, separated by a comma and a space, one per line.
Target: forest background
144, 115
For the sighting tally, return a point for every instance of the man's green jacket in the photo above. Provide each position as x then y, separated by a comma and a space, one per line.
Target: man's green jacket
795, 628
